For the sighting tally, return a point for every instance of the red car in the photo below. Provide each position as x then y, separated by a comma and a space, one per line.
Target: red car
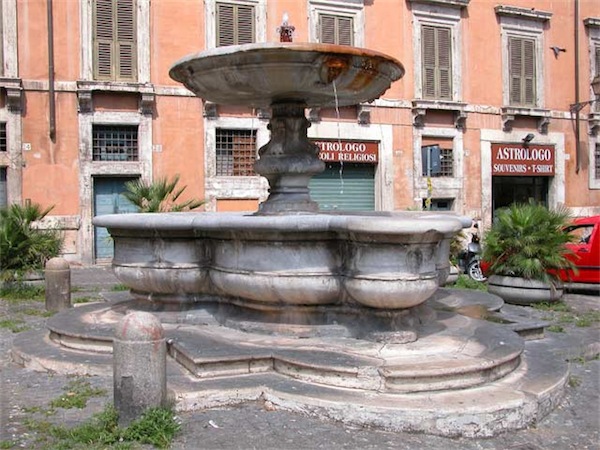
586, 253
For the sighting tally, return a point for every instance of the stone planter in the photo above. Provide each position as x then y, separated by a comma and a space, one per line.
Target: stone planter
519, 291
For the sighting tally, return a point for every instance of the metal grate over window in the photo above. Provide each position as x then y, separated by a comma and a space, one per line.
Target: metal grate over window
3, 144
446, 163
235, 152
115, 143
597, 162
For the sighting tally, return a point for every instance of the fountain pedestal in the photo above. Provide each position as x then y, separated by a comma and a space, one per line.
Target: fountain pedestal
288, 161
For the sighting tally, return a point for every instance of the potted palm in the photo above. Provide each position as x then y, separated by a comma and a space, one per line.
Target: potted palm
525, 250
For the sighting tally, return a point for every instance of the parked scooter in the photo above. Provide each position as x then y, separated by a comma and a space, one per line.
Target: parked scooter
469, 259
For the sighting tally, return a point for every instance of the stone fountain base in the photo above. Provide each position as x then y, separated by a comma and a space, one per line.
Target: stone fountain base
462, 377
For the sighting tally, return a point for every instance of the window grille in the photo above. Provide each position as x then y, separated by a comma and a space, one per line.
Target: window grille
3, 187
597, 72
337, 30
436, 60
3, 144
522, 71
235, 152
115, 46
235, 24
115, 143
597, 162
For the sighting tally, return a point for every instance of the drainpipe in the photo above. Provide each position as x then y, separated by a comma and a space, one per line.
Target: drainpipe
51, 100
577, 109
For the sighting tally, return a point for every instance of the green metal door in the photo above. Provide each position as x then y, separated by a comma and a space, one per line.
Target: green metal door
344, 187
108, 199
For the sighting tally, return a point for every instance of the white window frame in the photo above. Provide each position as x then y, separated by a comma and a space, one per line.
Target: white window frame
260, 13
231, 187
142, 43
512, 27
437, 16
349, 8
593, 28
443, 187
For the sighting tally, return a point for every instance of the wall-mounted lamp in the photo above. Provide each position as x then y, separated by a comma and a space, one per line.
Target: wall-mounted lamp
527, 139
576, 107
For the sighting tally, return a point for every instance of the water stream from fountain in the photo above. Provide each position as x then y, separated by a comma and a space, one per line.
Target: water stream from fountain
337, 114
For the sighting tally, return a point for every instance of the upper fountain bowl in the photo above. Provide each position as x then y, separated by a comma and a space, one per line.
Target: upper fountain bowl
259, 75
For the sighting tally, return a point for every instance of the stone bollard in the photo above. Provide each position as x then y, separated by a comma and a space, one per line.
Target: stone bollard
58, 284
139, 366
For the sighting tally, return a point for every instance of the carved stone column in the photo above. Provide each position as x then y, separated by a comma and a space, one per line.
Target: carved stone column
288, 161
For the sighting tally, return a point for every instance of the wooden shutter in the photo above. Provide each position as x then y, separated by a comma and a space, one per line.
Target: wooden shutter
126, 40
597, 73
522, 71
235, 24
336, 30
103, 39
115, 52
436, 48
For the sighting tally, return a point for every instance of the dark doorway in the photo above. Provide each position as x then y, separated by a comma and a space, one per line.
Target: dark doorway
508, 190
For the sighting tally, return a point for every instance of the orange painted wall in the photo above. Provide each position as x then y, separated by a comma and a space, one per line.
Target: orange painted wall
52, 169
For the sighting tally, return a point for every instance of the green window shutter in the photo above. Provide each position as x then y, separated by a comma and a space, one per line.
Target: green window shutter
436, 62
115, 50
336, 30
522, 71
235, 24
126, 40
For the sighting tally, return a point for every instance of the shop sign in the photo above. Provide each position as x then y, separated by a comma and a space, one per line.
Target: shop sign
521, 160
348, 151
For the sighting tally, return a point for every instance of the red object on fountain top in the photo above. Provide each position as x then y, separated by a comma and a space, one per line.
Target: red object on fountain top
286, 30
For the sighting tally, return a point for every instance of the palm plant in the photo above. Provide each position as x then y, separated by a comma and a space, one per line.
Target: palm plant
528, 241
23, 247
160, 195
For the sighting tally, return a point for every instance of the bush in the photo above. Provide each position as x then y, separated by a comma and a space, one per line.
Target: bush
161, 195
528, 241
24, 248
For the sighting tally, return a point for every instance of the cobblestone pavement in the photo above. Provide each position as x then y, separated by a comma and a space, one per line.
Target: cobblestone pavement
574, 424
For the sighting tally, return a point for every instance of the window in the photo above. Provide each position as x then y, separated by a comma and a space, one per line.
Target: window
336, 22
115, 54
437, 62
438, 204
440, 160
235, 24
235, 152
597, 71
3, 145
597, 162
522, 71
3, 188
336, 29
115, 143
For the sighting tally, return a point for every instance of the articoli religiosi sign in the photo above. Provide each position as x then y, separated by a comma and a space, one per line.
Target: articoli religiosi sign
522, 160
365, 152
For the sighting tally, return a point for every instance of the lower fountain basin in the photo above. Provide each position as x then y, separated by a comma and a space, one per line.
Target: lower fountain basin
378, 260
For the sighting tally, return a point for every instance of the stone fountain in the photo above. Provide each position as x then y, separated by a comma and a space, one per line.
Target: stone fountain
339, 314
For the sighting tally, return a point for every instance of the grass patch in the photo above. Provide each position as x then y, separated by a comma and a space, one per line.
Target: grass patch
14, 325
18, 291
119, 287
7, 444
466, 282
77, 393
574, 381
36, 312
86, 299
156, 427
556, 329
553, 306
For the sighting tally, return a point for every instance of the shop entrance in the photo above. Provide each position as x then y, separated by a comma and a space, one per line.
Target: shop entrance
508, 190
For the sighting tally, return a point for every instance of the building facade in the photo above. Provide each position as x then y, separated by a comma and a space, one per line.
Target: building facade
493, 108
